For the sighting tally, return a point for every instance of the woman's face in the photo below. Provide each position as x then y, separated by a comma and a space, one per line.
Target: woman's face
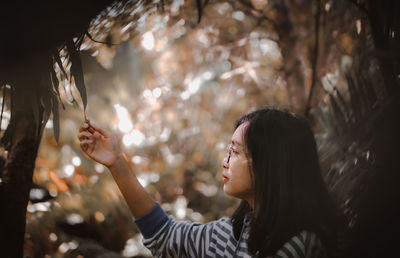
236, 173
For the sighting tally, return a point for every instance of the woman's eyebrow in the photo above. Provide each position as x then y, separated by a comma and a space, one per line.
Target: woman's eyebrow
236, 143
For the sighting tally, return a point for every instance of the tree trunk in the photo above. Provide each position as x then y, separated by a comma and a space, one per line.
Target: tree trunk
17, 177
47, 25
291, 51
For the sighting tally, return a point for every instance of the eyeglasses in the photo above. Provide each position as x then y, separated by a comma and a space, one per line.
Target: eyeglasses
228, 153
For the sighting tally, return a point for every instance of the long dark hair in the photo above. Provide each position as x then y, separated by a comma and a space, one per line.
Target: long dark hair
289, 192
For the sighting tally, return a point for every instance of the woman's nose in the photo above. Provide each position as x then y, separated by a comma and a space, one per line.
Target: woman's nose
225, 162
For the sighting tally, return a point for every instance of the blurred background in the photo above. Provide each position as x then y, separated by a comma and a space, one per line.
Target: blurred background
171, 77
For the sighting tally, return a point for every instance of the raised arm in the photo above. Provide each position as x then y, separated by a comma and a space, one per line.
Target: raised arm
103, 147
164, 236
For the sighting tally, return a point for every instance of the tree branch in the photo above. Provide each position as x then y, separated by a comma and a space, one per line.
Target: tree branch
101, 42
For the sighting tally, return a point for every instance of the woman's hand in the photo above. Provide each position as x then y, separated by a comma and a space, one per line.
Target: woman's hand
99, 144
103, 147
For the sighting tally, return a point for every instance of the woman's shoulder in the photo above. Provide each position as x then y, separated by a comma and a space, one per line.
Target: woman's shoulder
305, 244
222, 224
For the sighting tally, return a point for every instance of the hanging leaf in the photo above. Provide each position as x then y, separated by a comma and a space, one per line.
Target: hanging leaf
46, 92
45, 118
2, 104
345, 105
362, 96
5, 140
77, 71
56, 119
354, 98
370, 93
338, 114
56, 56
79, 41
34, 100
56, 83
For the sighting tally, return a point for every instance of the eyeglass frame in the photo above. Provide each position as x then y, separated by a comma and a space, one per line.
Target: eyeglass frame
228, 153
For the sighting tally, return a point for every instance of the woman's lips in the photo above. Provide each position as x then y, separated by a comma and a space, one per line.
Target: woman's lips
224, 179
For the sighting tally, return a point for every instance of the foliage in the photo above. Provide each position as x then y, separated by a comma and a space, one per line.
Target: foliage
170, 77
173, 105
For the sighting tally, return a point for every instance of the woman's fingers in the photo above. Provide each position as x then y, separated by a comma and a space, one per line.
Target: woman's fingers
84, 135
91, 129
84, 147
87, 141
85, 144
97, 135
101, 131
86, 126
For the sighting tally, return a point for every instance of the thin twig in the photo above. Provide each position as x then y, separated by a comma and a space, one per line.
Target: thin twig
101, 42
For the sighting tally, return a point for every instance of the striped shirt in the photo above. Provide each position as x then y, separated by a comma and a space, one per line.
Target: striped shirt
165, 237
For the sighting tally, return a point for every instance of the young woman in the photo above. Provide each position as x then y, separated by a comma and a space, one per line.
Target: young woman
271, 165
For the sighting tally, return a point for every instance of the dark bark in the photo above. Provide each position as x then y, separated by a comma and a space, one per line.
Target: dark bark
291, 51
32, 30
17, 179
385, 27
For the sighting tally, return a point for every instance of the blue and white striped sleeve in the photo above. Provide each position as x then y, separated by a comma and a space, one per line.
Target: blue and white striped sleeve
165, 237
314, 246
304, 245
